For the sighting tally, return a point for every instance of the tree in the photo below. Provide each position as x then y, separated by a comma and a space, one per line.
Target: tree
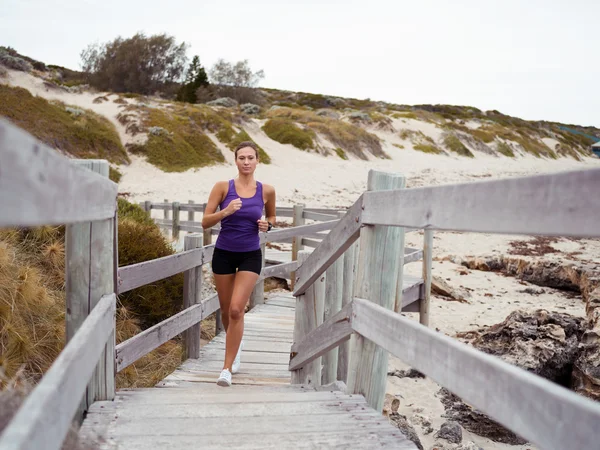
138, 64
238, 75
195, 78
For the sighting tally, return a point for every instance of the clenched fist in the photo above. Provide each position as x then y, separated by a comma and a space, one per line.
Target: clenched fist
263, 225
233, 206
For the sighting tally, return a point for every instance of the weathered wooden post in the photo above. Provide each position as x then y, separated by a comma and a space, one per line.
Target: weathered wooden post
427, 262
297, 220
375, 280
148, 207
175, 225
334, 278
207, 236
258, 293
192, 293
349, 267
307, 319
91, 260
191, 211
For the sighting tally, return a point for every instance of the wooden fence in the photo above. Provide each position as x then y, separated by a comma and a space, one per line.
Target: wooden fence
349, 291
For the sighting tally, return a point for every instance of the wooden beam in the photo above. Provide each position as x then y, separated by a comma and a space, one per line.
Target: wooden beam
563, 204
425, 301
141, 274
311, 215
347, 296
143, 343
333, 245
378, 277
257, 297
39, 186
279, 270
192, 292
327, 336
540, 411
297, 246
62, 387
285, 233
412, 255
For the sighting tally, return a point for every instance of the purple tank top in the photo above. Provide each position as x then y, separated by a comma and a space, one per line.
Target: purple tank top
239, 231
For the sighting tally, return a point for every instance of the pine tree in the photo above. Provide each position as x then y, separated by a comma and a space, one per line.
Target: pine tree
195, 77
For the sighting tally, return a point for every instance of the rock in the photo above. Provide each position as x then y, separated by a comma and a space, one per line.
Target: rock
469, 446
406, 428
223, 101
421, 420
390, 404
410, 373
586, 372
157, 131
275, 107
451, 431
328, 113
359, 115
441, 287
14, 62
74, 111
250, 108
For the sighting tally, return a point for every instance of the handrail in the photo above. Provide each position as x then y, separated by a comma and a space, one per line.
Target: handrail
44, 418
563, 204
546, 414
38, 186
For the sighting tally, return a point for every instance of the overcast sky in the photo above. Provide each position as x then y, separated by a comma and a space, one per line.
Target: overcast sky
528, 58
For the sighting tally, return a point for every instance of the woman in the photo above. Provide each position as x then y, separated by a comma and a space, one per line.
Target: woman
237, 259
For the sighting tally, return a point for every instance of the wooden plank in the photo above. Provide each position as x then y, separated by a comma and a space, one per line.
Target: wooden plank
211, 377
62, 387
248, 357
257, 297
175, 221
297, 245
412, 255
141, 344
349, 267
334, 245
536, 409
285, 233
425, 301
412, 292
333, 304
167, 223
192, 291
279, 270
563, 204
190, 228
378, 277
319, 341
269, 346
38, 186
310, 242
311, 215
136, 275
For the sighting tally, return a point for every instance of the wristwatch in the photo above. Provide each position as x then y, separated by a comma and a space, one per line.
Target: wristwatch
270, 226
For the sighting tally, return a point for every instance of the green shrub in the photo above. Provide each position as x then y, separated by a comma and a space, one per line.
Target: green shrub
287, 132
427, 148
401, 147
114, 175
140, 239
454, 144
242, 136
85, 135
482, 135
404, 115
180, 146
504, 148
341, 153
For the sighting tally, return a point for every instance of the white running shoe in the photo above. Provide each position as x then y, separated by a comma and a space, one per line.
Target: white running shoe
225, 378
235, 367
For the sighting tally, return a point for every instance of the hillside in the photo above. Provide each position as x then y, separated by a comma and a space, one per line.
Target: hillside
175, 136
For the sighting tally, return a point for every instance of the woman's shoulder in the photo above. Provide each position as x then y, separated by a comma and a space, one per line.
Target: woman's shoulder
268, 188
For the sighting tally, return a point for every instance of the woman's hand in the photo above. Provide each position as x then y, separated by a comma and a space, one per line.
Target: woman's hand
233, 206
263, 225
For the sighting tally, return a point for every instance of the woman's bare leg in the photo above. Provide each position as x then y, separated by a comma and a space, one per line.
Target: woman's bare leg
242, 288
224, 285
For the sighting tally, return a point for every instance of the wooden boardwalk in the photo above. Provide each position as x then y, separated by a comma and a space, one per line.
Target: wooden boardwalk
262, 410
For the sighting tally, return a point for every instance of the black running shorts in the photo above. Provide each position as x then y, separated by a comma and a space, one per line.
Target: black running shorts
225, 262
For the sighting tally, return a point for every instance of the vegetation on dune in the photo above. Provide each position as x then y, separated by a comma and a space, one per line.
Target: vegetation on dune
428, 148
341, 153
175, 142
455, 145
242, 136
349, 137
80, 133
287, 131
504, 148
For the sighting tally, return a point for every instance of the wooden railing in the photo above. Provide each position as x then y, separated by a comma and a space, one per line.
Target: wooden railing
563, 204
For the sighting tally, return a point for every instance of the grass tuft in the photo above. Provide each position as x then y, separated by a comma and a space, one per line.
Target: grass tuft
428, 148
454, 144
242, 136
341, 153
286, 131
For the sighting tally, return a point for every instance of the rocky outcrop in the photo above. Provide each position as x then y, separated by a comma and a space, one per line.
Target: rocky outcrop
544, 343
586, 372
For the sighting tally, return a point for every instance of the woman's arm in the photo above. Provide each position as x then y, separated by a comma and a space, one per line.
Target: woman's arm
270, 210
218, 192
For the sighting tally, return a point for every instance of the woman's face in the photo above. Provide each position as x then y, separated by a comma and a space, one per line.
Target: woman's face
246, 160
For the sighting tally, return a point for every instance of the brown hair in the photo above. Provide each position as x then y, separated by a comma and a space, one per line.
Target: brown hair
247, 144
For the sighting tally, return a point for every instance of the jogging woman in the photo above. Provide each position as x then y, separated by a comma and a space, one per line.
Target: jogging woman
237, 259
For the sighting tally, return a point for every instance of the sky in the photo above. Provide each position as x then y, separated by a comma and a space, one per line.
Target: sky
533, 59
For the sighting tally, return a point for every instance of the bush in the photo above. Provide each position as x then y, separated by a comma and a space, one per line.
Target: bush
242, 136
454, 144
138, 64
504, 148
114, 175
287, 132
184, 146
140, 239
85, 135
195, 78
427, 148
341, 153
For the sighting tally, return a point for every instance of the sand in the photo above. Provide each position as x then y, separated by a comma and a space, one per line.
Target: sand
315, 180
